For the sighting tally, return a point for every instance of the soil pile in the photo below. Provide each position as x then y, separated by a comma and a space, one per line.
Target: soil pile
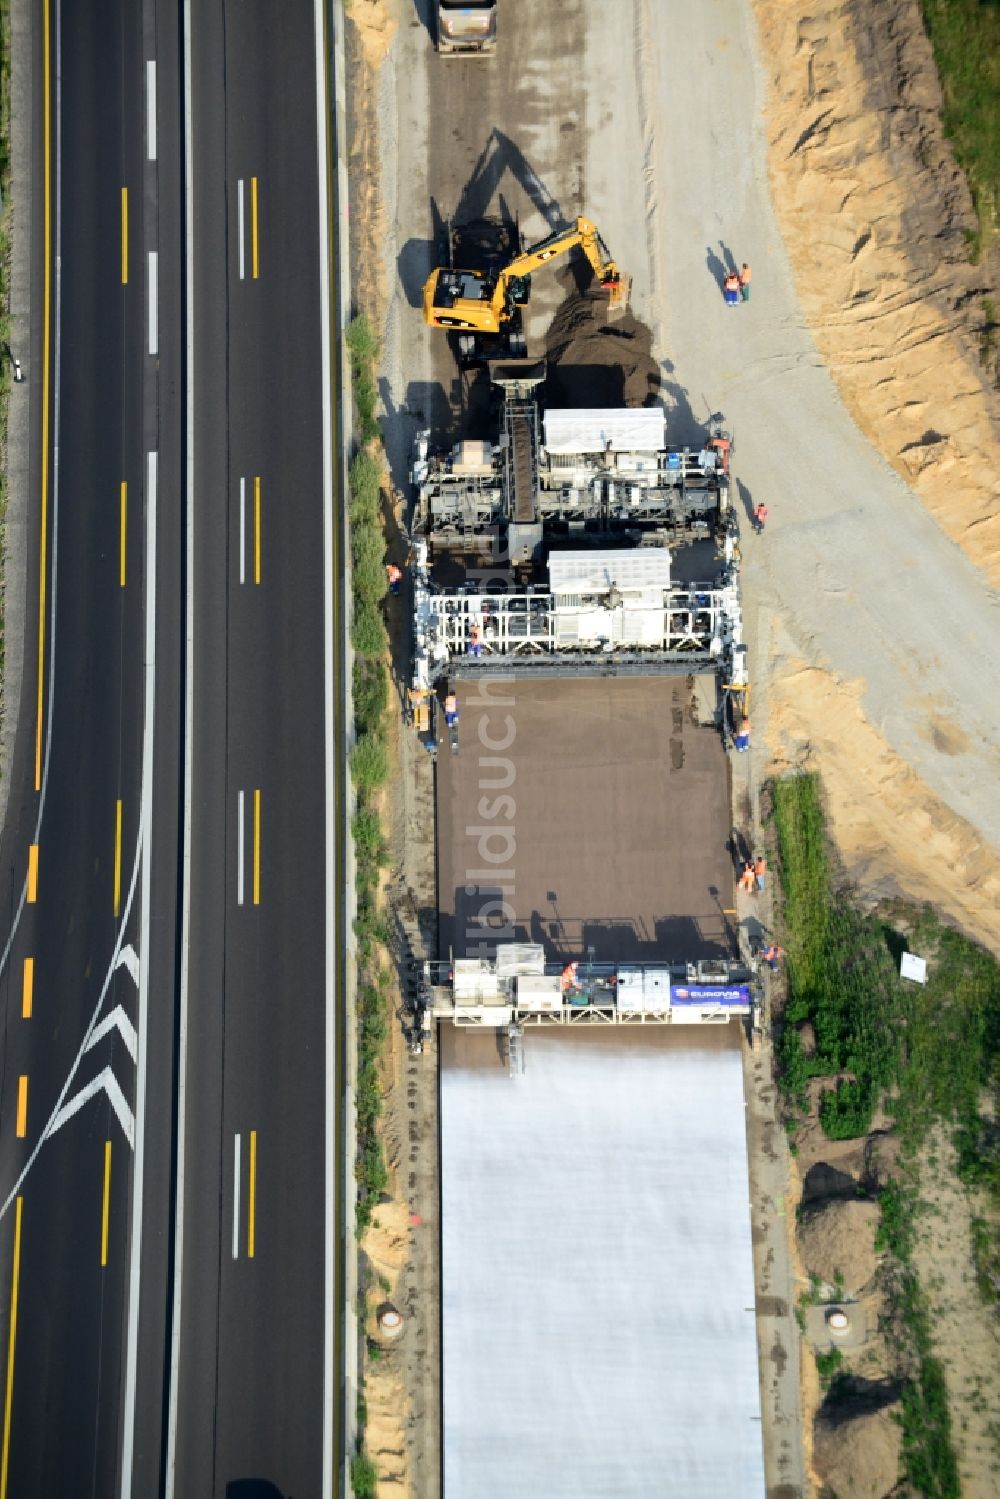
876, 218
374, 24
596, 359
838, 1239
858, 1456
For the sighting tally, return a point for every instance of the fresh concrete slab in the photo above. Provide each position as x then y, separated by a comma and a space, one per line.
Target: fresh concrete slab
597, 1278
585, 813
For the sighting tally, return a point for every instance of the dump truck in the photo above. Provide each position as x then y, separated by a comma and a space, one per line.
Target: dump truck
465, 30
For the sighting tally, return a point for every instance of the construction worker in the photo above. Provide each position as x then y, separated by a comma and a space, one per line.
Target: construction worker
475, 645
745, 278
760, 870
394, 574
567, 979
451, 710
731, 289
743, 734
760, 518
746, 878
772, 955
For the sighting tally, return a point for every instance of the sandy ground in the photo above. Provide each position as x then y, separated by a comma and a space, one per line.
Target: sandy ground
875, 217
966, 1334
855, 582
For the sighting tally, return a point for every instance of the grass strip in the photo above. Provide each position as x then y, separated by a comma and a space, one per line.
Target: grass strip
965, 36
370, 769
369, 764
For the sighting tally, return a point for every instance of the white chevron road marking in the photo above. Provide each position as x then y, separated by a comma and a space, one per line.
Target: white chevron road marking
116, 1021
104, 1082
128, 959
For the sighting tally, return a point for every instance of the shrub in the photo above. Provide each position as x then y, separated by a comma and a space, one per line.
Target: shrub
361, 341
847, 1112
368, 629
371, 693
364, 1477
369, 763
370, 582
367, 830
364, 481
363, 349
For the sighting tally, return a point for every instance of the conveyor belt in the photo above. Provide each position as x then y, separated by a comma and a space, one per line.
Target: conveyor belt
523, 470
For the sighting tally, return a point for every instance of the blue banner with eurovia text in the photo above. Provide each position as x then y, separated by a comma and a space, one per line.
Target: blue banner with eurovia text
705, 994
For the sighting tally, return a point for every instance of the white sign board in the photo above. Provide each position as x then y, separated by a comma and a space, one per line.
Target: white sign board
912, 967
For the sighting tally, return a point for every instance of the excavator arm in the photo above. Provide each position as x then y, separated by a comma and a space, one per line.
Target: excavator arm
584, 234
470, 300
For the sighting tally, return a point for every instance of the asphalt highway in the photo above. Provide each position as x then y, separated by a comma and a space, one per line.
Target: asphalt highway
250, 1369
166, 868
71, 1109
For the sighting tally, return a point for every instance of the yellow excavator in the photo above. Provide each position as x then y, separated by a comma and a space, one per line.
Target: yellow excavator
480, 304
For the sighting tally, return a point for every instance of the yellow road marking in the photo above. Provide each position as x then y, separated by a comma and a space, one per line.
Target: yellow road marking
252, 1196
107, 1203
46, 313
27, 988
256, 529
254, 260
118, 854
256, 847
22, 1106
32, 873
123, 516
12, 1336
124, 236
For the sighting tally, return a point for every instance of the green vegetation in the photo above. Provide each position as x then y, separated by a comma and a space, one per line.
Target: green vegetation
369, 768
827, 1364
898, 1206
369, 772
928, 1053
364, 1477
840, 974
809, 1298
362, 347
928, 1454
369, 762
986, 1260
965, 35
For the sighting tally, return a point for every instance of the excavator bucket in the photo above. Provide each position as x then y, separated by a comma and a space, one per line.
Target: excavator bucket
619, 290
